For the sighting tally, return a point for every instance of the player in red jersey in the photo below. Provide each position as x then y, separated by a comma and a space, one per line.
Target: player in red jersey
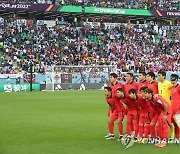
130, 83
113, 83
116, 113
144, 120
111, 102
150, 114
142, 81
175, 99
132, 114
164, 113
152, 83
121, 111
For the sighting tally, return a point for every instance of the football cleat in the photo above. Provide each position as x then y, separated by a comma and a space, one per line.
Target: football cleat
120, 137
110, 136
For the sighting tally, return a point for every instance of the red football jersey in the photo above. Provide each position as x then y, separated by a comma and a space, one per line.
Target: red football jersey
158, 102
141, 103
175, 96
150, 106
142, 84
119, 105
115, 87
129, 86
130, 104
112, 102
154, 86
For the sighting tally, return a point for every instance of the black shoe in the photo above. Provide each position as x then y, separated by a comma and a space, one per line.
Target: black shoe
120, 137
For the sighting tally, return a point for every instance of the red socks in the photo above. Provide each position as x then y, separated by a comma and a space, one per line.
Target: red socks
128, 128
141, 131
120, 126
136, 129
111, 128
152, 131
146, 131
159, 131
177, 131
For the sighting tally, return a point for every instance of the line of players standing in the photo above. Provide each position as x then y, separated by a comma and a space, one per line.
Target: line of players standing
150, 107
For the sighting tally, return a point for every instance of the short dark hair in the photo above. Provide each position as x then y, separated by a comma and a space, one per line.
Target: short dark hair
143, 88
130, 74
108, 88
121, 90
143, 73
162, 72
174, 77
151, 74
148, 90
134, 91
113, 75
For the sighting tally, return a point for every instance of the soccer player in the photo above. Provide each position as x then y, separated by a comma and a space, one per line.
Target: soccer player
130, 83
114, 85
147, 117
142, 81
163, 116
116, 113
164, 86
144, 120
164, 90
121, 111
144, 113
175, 98
152, 84
132, 108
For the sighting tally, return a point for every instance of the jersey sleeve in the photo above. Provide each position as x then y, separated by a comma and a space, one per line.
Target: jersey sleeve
159, 90
107, 100
160, 101
169, 85
178, 89
124, 101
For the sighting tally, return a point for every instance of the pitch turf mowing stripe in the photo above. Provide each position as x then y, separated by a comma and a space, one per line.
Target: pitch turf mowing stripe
59, 123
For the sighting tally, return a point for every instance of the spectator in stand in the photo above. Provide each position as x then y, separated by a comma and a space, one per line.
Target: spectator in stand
31, 1
142, 47
129, 4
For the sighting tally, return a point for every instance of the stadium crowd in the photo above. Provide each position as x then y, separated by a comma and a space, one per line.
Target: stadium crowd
134, 47
31, 1
130, 4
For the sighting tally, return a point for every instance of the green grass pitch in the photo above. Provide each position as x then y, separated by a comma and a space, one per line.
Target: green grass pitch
61, 123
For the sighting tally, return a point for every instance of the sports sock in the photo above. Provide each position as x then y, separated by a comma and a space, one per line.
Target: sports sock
120, 126
111, 128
